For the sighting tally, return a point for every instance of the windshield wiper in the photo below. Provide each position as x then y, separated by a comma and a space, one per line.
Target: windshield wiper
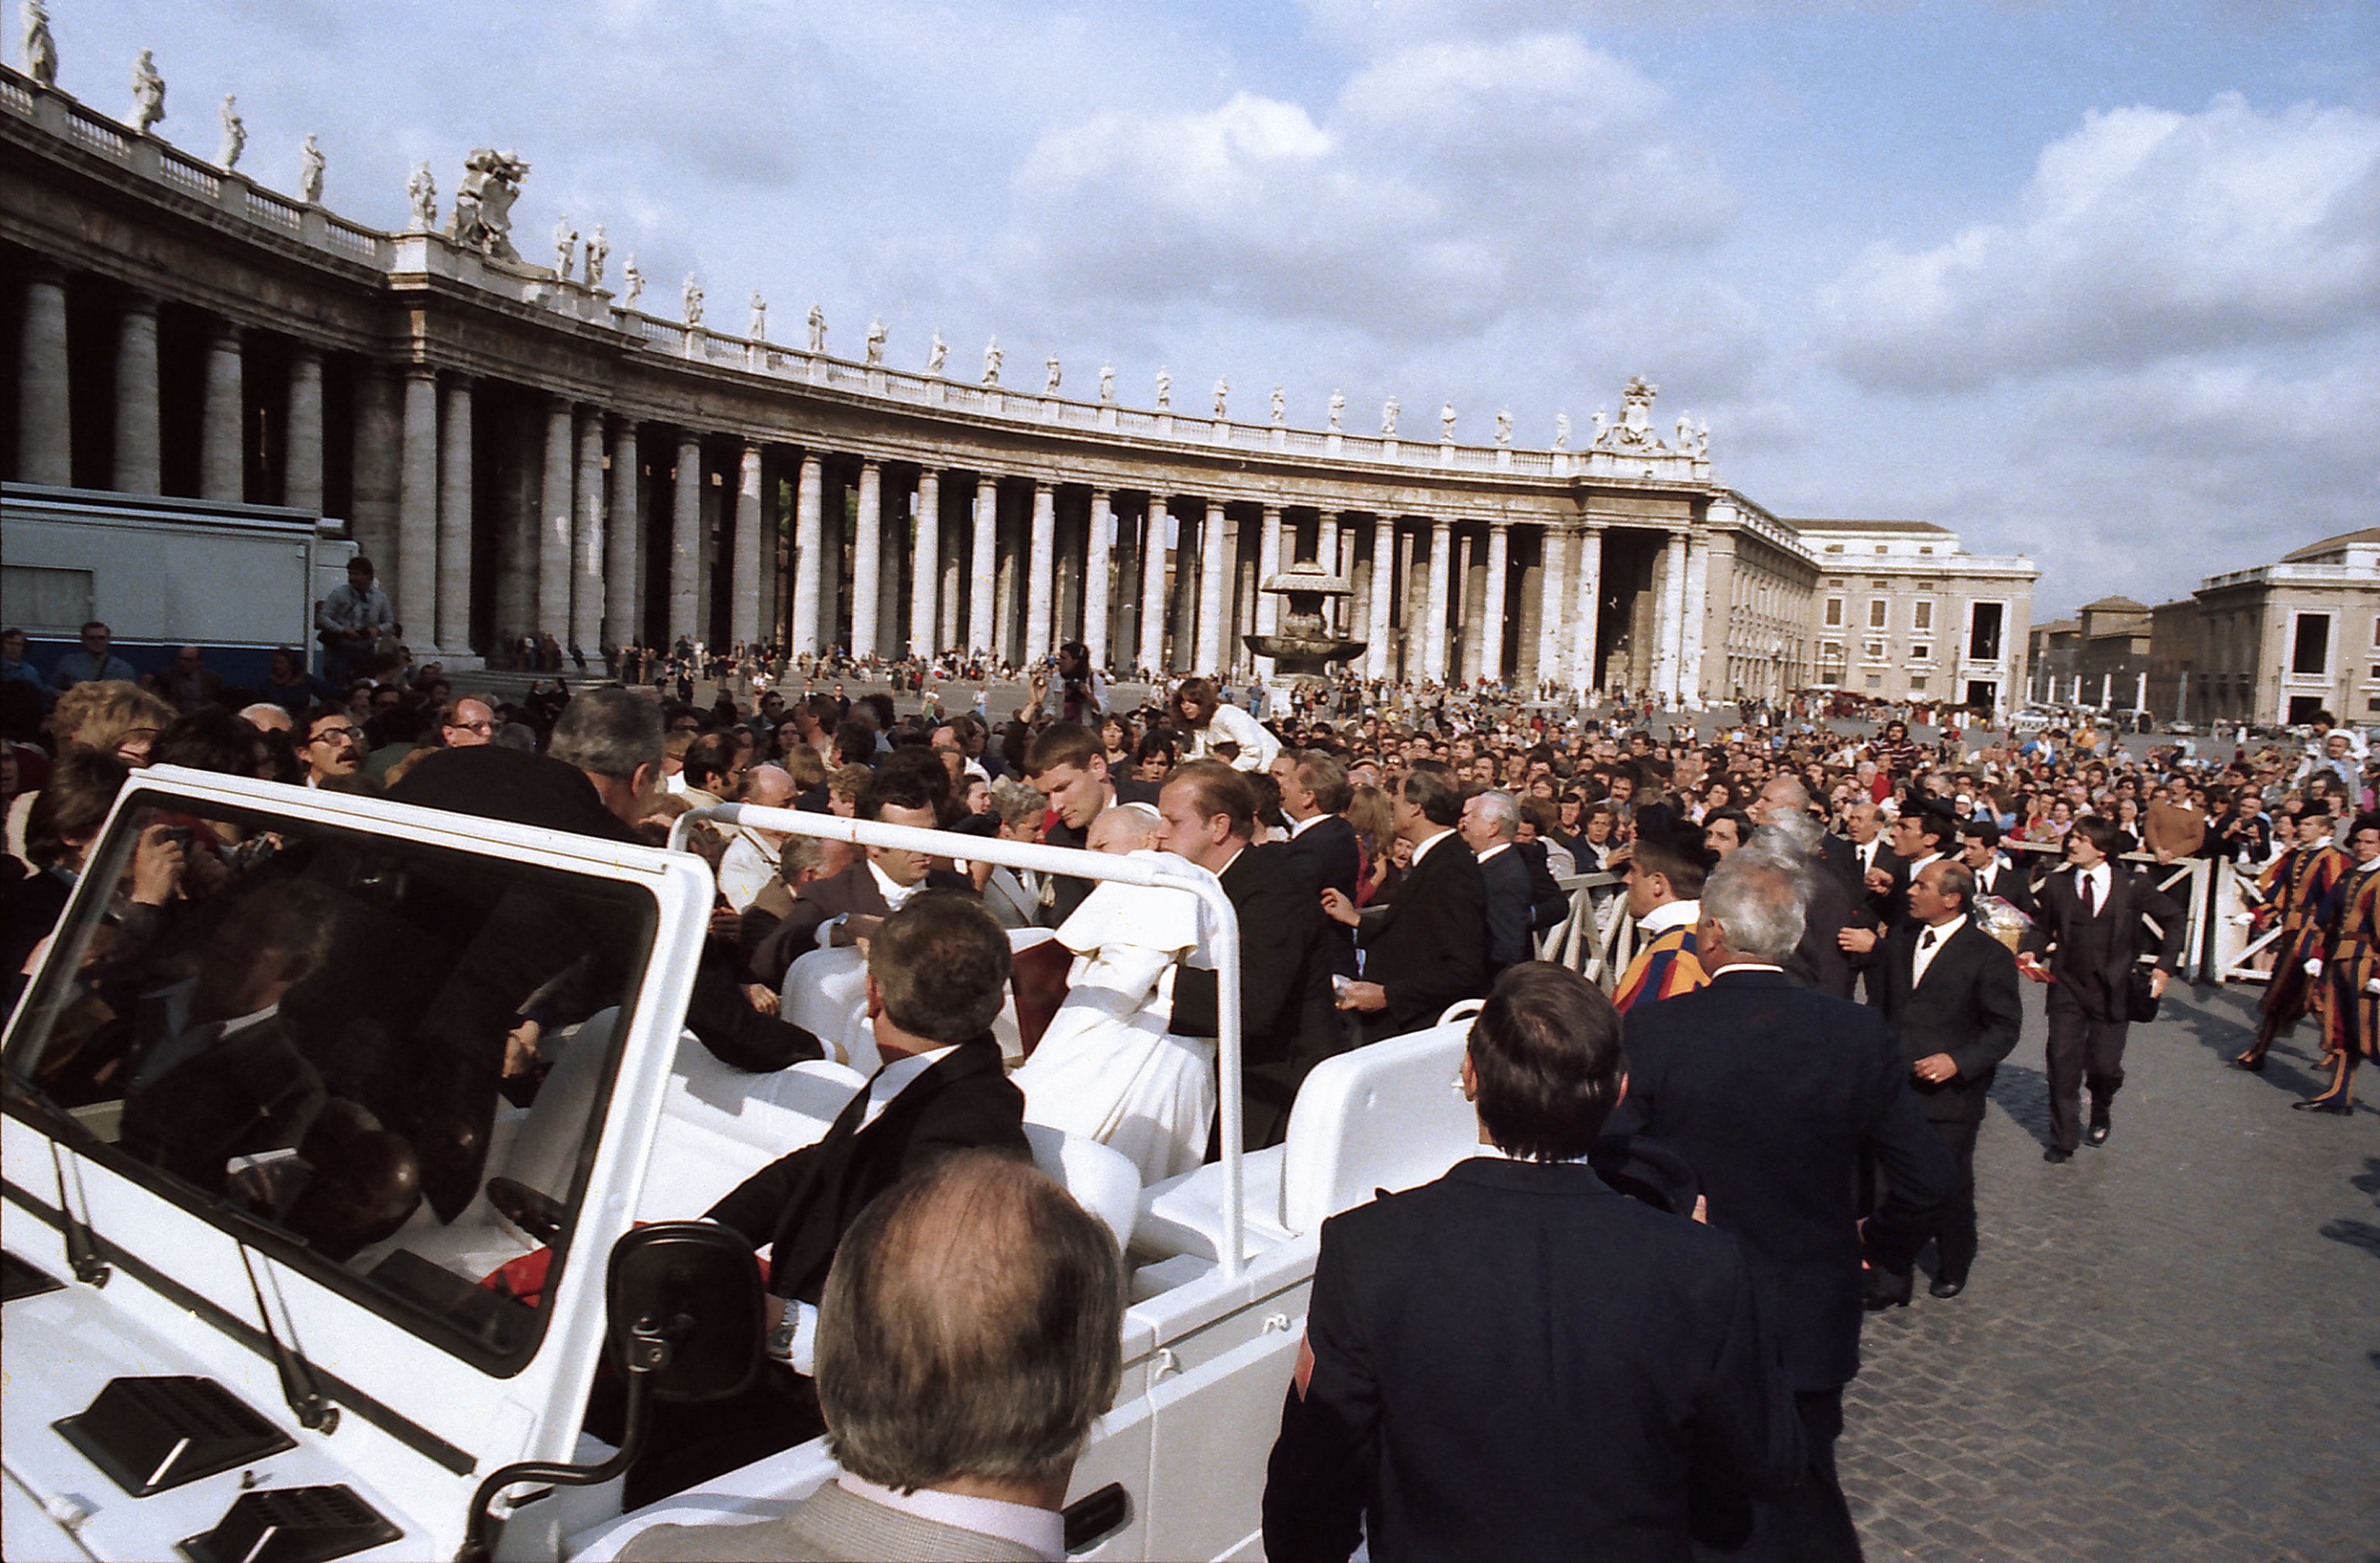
82, 1242
298, 1388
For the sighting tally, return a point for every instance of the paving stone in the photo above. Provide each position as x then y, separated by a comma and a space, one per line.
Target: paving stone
2170, 1347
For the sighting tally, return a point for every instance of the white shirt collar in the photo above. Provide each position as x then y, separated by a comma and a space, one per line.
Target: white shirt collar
1501, 1153
895, 895
2367, 867
1299, 827
1734, 966
1038, 1529
895, 1078
1492, 851
1422, 850
1945, 933
1671, 914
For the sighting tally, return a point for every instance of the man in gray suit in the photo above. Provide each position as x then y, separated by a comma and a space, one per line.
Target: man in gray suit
981, 1276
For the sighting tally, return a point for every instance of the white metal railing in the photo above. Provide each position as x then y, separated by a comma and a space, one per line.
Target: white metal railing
2236, 944
2189, 881
1597, 945
1160, 871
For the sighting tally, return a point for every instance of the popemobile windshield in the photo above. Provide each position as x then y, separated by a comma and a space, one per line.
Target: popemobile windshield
261, 1304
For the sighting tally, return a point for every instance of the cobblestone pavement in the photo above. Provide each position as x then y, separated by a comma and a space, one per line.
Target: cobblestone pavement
2170, 1347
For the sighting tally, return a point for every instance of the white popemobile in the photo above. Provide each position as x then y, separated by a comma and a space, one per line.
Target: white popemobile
210, 1348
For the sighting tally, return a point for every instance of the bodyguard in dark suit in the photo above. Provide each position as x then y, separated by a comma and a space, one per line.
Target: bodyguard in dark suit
937, 971
1322, 848
2088, 924
1516, 1361
1775, 1095
867, 888
1287, 1024
1488, 825
1950, 994
2010, 879
1429, 946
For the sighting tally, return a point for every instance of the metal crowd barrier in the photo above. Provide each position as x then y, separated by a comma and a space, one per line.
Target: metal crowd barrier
2189, 881
1596, 944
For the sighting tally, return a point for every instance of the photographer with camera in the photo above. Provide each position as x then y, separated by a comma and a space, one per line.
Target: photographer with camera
1076, 691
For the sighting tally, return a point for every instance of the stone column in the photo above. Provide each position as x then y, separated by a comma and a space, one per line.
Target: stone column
553, 524
926, 572
983, 560
1384, 589
1690, 647
809, 552
1553, 583
623, 619
1587, 601
222, 468
685, 540
586, 538
1669, 620
301, 480
1326, 553
1007, 552
1096, 563
1491, 607
416, 596
45, 432
379, 441
954, 590
744, 552
1441, 563
1268, 566
866, 559
1211, 564
1152, 587
1040, 571
453, 567
891, 525
136, 466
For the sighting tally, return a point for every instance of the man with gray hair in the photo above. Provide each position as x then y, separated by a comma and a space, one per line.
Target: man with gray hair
1790, 840
1774, 1094
1489, 824
969, 1338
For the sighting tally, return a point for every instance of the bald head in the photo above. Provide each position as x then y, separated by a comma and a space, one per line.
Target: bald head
1784, 794
770, 786
1126, 828
266, 717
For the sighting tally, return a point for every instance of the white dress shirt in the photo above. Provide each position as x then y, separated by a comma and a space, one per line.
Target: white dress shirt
2100, 880
1930, 943
1422, 849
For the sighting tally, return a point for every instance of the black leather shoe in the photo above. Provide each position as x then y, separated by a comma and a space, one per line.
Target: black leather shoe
2054, 1154
1945, 1288
2341, 1108
2253, 1066
1886, 1289
2098, 1133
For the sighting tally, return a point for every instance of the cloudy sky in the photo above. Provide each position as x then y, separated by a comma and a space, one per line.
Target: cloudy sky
2095, 283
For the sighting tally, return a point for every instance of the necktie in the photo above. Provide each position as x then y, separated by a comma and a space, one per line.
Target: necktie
1928, 942
2090, 902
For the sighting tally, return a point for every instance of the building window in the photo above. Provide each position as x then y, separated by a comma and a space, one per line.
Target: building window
1921, 652
1834, 548
1983, 632
1834, 613
1881, 548
2376, 628
1872, 650
1924, 619
1879, 585
1878, 612
1927, 549
1916, 681
2310, 644
1875, 681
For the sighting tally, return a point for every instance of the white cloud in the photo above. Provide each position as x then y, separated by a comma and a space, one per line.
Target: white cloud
2145, 233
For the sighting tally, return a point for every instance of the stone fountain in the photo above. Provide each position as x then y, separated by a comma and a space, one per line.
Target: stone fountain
1303, 645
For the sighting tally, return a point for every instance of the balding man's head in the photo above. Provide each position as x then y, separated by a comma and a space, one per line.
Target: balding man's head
1126, 828
266, 717
1783, 795
770, 786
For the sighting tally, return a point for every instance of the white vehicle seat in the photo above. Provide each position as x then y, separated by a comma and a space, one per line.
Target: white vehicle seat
1387, 1116
825, 993
719, 1125
1102, 1179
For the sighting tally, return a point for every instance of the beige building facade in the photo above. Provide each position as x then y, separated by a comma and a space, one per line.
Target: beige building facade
1902, 613
2277, 643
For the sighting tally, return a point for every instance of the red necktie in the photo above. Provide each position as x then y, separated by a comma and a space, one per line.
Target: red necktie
2090, 908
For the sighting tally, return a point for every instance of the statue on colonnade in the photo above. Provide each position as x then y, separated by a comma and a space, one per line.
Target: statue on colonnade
422, 195
936, 353
818, 328
234, 136
1223, 391
148, 94
599, 250
1164, 389
633, 281
876, 340
1280, 408
1389, 410
1562, 431
757, 328
689, 297
1106, 385
992, 362
1338, 408
40, 49
482, 218
565, 245
1050, 387
309, 172
1446, 424
1504, 427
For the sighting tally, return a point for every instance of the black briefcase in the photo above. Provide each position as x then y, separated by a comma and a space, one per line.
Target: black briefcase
2140, 994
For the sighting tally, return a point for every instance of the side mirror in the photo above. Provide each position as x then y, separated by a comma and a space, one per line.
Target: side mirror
684, 1309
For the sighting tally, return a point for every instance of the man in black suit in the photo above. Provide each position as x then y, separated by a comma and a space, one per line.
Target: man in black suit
937, 971
878, 883
1774, 1094
1489, 824
1427, 947
1950, 994
1287, 1024
1322, 847
1994, 873
1922, 834
1516, 1361
2088, 923
1789, 834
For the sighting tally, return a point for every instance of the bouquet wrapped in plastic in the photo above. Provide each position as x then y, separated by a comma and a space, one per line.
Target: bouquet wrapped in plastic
2002, 921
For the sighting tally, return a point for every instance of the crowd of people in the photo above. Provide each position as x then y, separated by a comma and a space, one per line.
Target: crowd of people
1657, 1367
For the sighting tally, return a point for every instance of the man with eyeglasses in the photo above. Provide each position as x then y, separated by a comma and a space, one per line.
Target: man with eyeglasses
467, 722
334, 747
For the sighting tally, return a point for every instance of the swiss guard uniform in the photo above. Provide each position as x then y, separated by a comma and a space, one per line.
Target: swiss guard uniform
2350, 960
2298, 883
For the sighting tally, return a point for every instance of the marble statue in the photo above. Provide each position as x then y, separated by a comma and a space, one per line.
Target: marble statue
565, 245
1222, 395
1602, 424
482, 218
757, 328
1702, 440
235, 137
148, 94
689, 297
1164, 389
1389, 410
41, 49
1280, 408
1106, 385
599, 250
1685, 432
1504, 427
1338, 408
422, 195
876, 340
936, 355
1637, 404
992, 362
632, 284
817, 329
1561, 431
1446, 423
1049, 386
309, 172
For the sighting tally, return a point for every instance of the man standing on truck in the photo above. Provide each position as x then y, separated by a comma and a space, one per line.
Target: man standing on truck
351, 621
